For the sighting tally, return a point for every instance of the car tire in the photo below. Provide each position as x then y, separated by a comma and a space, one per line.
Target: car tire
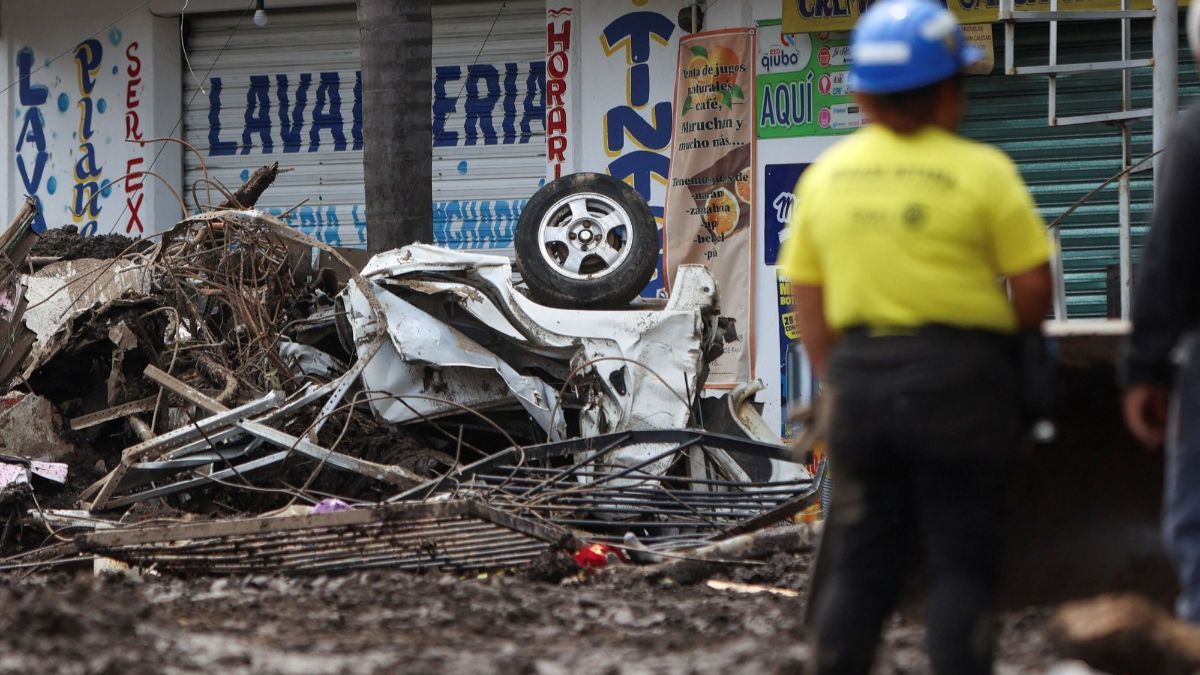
586, 240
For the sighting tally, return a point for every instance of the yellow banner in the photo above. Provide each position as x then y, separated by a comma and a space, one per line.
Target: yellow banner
812, 16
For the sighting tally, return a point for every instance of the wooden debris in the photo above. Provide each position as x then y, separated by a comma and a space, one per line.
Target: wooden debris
258, 182
751, 589
698, 564
1126, 634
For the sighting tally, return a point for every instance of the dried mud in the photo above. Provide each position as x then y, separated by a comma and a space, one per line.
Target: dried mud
68, 244
383, 622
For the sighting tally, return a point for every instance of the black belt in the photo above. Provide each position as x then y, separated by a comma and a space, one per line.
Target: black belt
923, 330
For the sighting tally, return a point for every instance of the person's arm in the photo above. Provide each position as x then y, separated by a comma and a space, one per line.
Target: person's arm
1165, 297
1031, 293
810, 319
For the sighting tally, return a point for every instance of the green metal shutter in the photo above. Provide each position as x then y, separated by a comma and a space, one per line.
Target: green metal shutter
1062, 164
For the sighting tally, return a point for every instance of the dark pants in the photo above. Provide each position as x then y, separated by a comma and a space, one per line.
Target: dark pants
923, 445
1181, 503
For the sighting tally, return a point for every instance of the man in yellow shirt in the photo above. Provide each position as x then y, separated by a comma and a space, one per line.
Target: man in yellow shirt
900, 240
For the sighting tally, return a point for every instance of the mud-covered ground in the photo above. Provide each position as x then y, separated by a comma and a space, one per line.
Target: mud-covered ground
68, 244
383, 622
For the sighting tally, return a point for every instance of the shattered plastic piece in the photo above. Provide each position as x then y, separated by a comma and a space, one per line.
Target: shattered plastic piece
330, 505
13, 474
597, 556
310, 361
54, 471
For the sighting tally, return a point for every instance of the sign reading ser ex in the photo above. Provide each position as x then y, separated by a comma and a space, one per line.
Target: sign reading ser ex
811, 16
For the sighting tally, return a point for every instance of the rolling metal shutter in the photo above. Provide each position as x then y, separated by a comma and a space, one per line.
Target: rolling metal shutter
291, 92
1062, 164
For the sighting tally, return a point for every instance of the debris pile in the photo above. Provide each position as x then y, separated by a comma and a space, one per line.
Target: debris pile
287, 410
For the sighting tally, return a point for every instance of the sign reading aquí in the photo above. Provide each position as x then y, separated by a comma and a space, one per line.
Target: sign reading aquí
801, 84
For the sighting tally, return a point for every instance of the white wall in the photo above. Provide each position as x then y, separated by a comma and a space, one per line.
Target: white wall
97, 72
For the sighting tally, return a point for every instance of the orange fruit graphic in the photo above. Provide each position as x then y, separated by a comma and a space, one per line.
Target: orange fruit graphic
699, 71
743, 186
719, 57
722, 211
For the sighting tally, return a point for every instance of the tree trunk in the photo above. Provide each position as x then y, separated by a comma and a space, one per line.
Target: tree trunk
397, 57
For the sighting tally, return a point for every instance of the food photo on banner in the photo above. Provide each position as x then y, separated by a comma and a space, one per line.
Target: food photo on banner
710, 190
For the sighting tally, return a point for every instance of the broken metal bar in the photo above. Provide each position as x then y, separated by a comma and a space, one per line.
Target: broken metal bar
184, 390
207, 443
382, 472
141, 405
198, 481
200, 428
782, 485
170, 439
250, 526
192, 461
783, 511
578, 465
390, 474
209, 440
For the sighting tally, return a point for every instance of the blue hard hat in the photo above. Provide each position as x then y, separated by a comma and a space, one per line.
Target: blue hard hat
899, 45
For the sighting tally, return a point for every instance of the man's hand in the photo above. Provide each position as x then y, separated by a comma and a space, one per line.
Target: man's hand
1145, 407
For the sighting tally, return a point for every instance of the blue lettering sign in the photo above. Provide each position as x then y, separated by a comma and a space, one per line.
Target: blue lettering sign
258, 114
216, 146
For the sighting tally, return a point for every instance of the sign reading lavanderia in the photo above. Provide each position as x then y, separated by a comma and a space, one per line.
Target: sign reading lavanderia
710, 191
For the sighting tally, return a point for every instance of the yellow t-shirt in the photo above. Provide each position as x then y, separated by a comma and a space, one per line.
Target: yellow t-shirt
903, 231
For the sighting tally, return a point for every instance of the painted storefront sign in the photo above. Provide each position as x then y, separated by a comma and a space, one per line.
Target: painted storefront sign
135, 180
710, 210
808, 16
801, 84
75, 111
627, 49
321, 112
559, 53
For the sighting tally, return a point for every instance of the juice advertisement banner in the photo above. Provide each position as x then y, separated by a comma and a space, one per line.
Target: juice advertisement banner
801, 84
710, 191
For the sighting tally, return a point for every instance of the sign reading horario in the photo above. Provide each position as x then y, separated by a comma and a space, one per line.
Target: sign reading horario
809, 16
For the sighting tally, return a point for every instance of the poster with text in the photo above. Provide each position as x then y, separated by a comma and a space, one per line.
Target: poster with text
789, 344
779, 188
710, 192
801, 84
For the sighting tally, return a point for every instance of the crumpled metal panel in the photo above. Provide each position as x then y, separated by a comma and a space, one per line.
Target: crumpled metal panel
646, 362
467, 375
